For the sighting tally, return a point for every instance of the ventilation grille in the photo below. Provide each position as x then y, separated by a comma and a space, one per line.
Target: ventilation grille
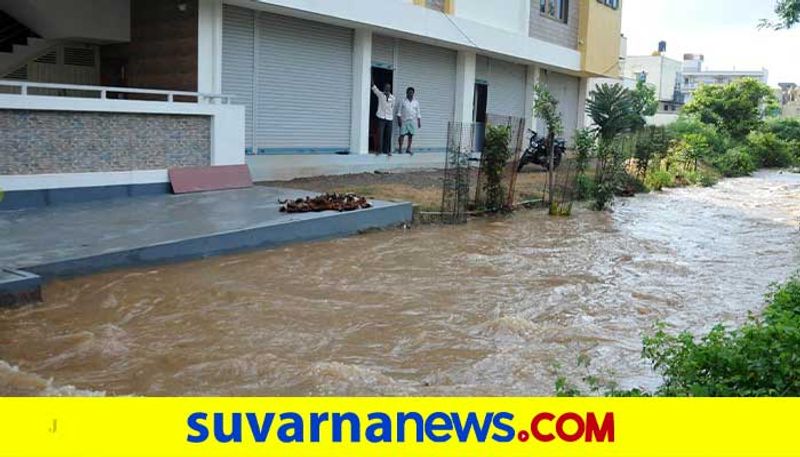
51, 58
20, 73
79, 57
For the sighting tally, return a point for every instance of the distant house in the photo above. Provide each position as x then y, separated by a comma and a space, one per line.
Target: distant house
695, 76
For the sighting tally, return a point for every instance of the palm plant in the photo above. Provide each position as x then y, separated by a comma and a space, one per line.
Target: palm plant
612, 109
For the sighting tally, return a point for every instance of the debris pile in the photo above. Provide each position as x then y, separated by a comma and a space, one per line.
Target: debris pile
325, 202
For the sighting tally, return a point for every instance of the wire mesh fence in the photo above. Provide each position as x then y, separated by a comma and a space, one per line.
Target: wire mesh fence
461, 138
508, 175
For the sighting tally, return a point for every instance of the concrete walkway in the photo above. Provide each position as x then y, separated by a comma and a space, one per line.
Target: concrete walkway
287, 167
87, 237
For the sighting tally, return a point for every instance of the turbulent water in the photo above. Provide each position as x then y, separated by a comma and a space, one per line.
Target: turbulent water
496, 307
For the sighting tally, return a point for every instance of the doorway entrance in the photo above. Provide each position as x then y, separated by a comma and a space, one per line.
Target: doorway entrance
380, 77
479, 113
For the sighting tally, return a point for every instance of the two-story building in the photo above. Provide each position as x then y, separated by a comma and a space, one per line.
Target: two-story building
115, 92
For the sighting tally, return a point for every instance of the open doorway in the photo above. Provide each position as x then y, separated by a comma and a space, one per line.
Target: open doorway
479, 113
380, 77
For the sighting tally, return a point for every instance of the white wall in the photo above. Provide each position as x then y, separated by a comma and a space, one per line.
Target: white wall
92, 20
512, 16
227, 138
405, 20
661, 73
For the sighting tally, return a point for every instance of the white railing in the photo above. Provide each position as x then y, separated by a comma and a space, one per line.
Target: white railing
102, 92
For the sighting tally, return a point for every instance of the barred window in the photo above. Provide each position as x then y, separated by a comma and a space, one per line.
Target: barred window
437, 5
556, 9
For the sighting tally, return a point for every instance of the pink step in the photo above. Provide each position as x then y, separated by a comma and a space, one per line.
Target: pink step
201, 179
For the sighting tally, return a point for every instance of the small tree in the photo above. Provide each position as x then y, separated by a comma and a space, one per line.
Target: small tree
736, 108
546, 108
614, 112
645, 103
495, 158
788, 12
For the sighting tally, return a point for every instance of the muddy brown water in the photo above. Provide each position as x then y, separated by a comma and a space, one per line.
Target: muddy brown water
496, 307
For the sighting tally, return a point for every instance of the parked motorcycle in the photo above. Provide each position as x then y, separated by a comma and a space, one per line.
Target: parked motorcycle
537, 152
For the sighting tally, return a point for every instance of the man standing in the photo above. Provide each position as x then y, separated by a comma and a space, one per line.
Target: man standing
409, 119
385, 114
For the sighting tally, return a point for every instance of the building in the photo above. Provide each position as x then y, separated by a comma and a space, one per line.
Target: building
694, 75
622, 79
789, 96
665, 75
122, 90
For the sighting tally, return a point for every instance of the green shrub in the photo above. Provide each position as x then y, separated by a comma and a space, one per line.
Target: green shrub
585, 187
659, 179
759, 359
717, 142
496, 154
736, 162
708, 179
771, 151
787, 129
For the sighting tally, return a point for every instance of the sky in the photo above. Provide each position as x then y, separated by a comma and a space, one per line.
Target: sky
725, 31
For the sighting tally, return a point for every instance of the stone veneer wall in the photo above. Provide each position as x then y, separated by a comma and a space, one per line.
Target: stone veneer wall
548, 29
37, 142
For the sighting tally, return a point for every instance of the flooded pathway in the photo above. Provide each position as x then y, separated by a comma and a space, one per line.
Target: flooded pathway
496, 307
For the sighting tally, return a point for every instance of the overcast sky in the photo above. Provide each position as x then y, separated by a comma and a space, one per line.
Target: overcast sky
725, 31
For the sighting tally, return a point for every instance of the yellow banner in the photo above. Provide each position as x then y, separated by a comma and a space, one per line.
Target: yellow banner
440, 427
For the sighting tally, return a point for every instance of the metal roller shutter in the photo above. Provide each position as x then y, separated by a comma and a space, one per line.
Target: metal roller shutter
383, 51
506, 88
238, 31
304, 86
567, 90
431, 71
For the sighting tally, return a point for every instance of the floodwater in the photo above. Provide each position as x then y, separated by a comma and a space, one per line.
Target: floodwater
496, 307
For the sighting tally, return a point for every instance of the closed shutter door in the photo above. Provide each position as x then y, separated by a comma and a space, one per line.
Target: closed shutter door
431, 71
238, 31
383, 51
506, 88
566, 89
304, 86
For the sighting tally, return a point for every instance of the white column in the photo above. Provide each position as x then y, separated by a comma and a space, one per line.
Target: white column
209, 46
465, 86
533, 79
583, 94
362, 76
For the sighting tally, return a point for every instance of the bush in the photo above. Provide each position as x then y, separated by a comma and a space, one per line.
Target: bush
787, 129
760, 359
771, 151
717, 142
496, 154
735, 163
585, 187
659, 179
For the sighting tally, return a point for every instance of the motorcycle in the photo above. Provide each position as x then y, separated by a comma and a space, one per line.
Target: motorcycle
536, 152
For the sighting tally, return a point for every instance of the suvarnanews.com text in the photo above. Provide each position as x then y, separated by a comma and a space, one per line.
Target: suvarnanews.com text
400, 427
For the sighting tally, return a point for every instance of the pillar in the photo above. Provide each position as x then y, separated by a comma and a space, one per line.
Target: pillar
209, 47
583, 94
362, 77
465, 86
533, 78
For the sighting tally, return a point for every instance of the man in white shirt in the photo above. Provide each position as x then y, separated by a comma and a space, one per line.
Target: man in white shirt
409, 119
385, 114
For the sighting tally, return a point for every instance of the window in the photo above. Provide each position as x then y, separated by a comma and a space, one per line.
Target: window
438, 5
610, 3
555, 9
